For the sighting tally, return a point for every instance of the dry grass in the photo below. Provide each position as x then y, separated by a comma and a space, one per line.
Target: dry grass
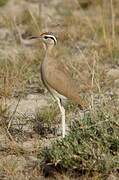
88, 34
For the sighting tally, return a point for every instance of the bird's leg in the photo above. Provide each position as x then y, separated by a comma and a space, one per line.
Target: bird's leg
63, 117
63, 122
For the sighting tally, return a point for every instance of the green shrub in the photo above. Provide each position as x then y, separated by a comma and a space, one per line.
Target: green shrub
91, 147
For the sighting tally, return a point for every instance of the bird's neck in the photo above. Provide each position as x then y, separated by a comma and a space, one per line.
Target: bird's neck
48, 52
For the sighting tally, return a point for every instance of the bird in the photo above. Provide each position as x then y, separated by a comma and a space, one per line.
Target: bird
56, 78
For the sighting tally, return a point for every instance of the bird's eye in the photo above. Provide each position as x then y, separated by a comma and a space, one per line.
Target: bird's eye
45, 37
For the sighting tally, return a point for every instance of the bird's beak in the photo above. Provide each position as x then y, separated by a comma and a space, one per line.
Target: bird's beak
35, 37
31, 40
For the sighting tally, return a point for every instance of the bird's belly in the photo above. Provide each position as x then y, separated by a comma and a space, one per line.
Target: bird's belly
50, 89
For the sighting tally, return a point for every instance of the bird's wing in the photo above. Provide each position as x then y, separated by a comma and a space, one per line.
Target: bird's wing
58, 78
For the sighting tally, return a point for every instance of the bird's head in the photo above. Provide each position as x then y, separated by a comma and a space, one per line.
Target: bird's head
48, 39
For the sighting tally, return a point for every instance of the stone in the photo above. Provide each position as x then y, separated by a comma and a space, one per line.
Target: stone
113, 74
116, 83
30, 145
4, 33
13, 162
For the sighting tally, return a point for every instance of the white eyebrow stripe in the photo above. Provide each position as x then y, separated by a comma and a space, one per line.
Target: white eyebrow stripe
51, 36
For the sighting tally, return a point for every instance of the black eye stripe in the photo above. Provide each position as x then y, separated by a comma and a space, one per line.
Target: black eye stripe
52, 38
46, 37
